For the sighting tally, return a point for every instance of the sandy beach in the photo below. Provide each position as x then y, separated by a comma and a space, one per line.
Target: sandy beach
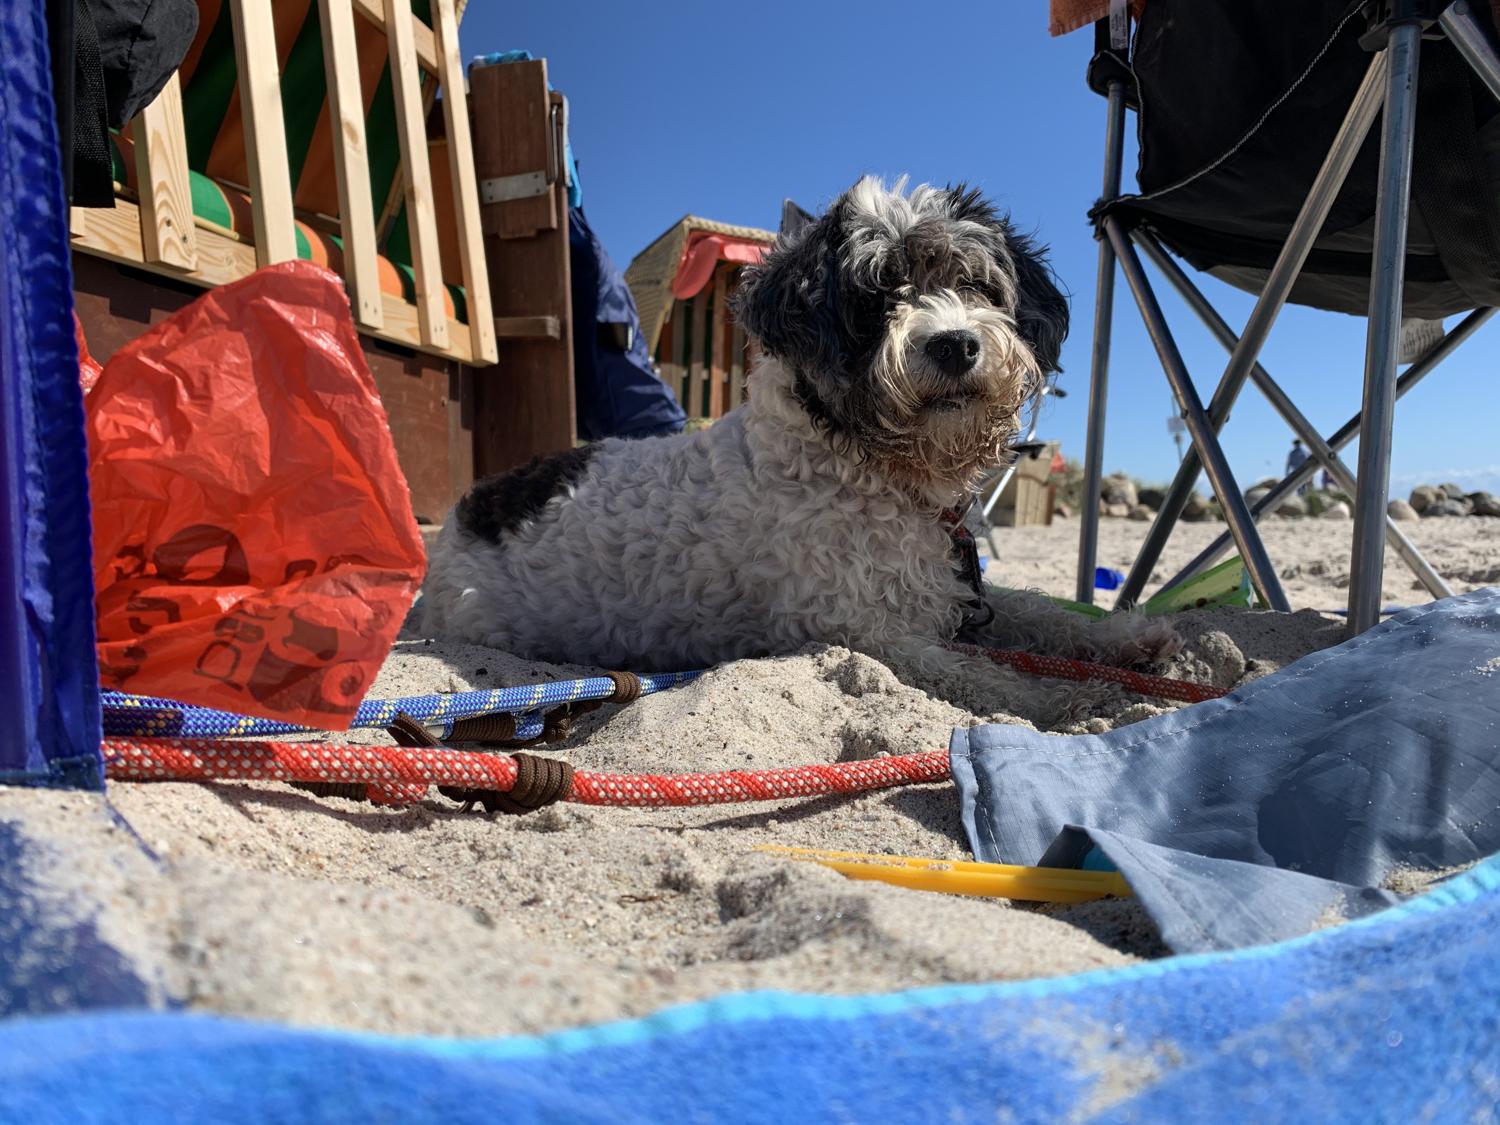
264, 901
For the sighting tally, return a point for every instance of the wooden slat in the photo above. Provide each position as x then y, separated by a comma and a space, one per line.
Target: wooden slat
265, 131
527, 405
411, 129
465, 184
423, 39
518, 142
718, 364
527, 328
696, 369
78, 221
115, 234
737, 368
161, 176
351, 162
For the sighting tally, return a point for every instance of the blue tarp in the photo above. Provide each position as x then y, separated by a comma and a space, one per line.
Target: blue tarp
1392, 1018
618, 392
1255, 817
48, 676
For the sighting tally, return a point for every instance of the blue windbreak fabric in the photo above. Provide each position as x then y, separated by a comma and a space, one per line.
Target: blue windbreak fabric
1394, 1018
1281, 807
618, 391
48, 674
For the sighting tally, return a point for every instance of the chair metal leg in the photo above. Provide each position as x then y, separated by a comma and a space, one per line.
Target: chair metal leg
1325, 188
1104, 306
1200, 428
1341, 437
1382, 343
1321, 452
1010, 471
1464, 32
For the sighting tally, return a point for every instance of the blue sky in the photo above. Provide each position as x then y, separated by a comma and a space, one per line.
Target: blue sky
723, 110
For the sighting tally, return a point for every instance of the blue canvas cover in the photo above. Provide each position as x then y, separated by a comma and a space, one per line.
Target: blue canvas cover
1283, 806
1394, 1018
48, 675
618, 392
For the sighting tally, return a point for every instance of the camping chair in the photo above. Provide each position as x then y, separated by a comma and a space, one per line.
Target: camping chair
1271, 185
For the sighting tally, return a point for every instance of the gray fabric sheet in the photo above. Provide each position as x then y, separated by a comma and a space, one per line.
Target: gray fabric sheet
1281, 807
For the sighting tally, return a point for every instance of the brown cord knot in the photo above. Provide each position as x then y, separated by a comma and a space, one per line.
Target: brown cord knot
627, 687
539, 783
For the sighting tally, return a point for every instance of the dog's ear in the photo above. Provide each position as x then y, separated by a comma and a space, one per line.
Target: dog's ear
1041, 308
787, 302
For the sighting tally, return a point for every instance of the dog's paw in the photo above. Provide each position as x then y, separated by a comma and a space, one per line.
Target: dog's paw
1126, 639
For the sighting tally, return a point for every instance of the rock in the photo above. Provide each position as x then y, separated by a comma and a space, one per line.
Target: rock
1196, 508
1061, 509
1225, 660
1152, 498
1484, 503
1117, 511
1292, 507
1117, 488
1141, 513
1268, 484
1401, 510
1423, 496
1256, 495
1444, 508
1454, 491
1338, 510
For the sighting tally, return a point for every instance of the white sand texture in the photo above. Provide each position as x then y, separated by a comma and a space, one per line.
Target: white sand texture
265, 901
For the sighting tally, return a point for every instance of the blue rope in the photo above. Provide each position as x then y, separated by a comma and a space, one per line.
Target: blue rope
143, 716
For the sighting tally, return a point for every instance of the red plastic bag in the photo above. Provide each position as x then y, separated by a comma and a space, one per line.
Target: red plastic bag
254, 545
89, 368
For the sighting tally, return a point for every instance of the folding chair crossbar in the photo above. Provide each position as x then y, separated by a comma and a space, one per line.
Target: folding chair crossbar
1322, 453
1346, 433
1389, 90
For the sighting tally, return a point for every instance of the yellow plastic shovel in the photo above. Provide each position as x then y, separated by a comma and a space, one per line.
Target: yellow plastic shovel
955, 877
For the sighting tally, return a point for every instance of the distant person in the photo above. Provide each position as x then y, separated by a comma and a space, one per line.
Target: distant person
1326, 483
1295, 460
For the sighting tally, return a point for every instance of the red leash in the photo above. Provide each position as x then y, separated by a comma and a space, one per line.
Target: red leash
404, 773
1059, 668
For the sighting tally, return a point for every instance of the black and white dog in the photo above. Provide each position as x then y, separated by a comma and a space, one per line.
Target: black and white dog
903, 335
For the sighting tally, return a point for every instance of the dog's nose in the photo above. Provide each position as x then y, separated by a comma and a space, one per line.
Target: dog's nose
953, 352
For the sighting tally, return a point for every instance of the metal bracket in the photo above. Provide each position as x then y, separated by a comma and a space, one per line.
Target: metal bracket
1386, 14
523, 185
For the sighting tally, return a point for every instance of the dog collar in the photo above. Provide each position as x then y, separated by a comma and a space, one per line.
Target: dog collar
978, 612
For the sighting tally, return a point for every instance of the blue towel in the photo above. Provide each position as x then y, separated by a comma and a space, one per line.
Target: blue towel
1257, 817
1394, 1018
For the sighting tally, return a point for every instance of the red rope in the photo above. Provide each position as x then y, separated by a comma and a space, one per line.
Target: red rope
401, 774
1057, 667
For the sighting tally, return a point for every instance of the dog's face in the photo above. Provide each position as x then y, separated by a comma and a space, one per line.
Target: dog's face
916, 327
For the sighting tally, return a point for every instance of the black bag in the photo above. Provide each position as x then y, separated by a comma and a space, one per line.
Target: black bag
1238, 106
123, 52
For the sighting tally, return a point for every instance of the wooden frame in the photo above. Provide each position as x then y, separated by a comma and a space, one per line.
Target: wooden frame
416, 172
161, 234
465, 184
351, 166
115, 234
161, 173
265, 132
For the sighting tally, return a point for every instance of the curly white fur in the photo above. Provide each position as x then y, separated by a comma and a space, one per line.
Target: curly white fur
761, 534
